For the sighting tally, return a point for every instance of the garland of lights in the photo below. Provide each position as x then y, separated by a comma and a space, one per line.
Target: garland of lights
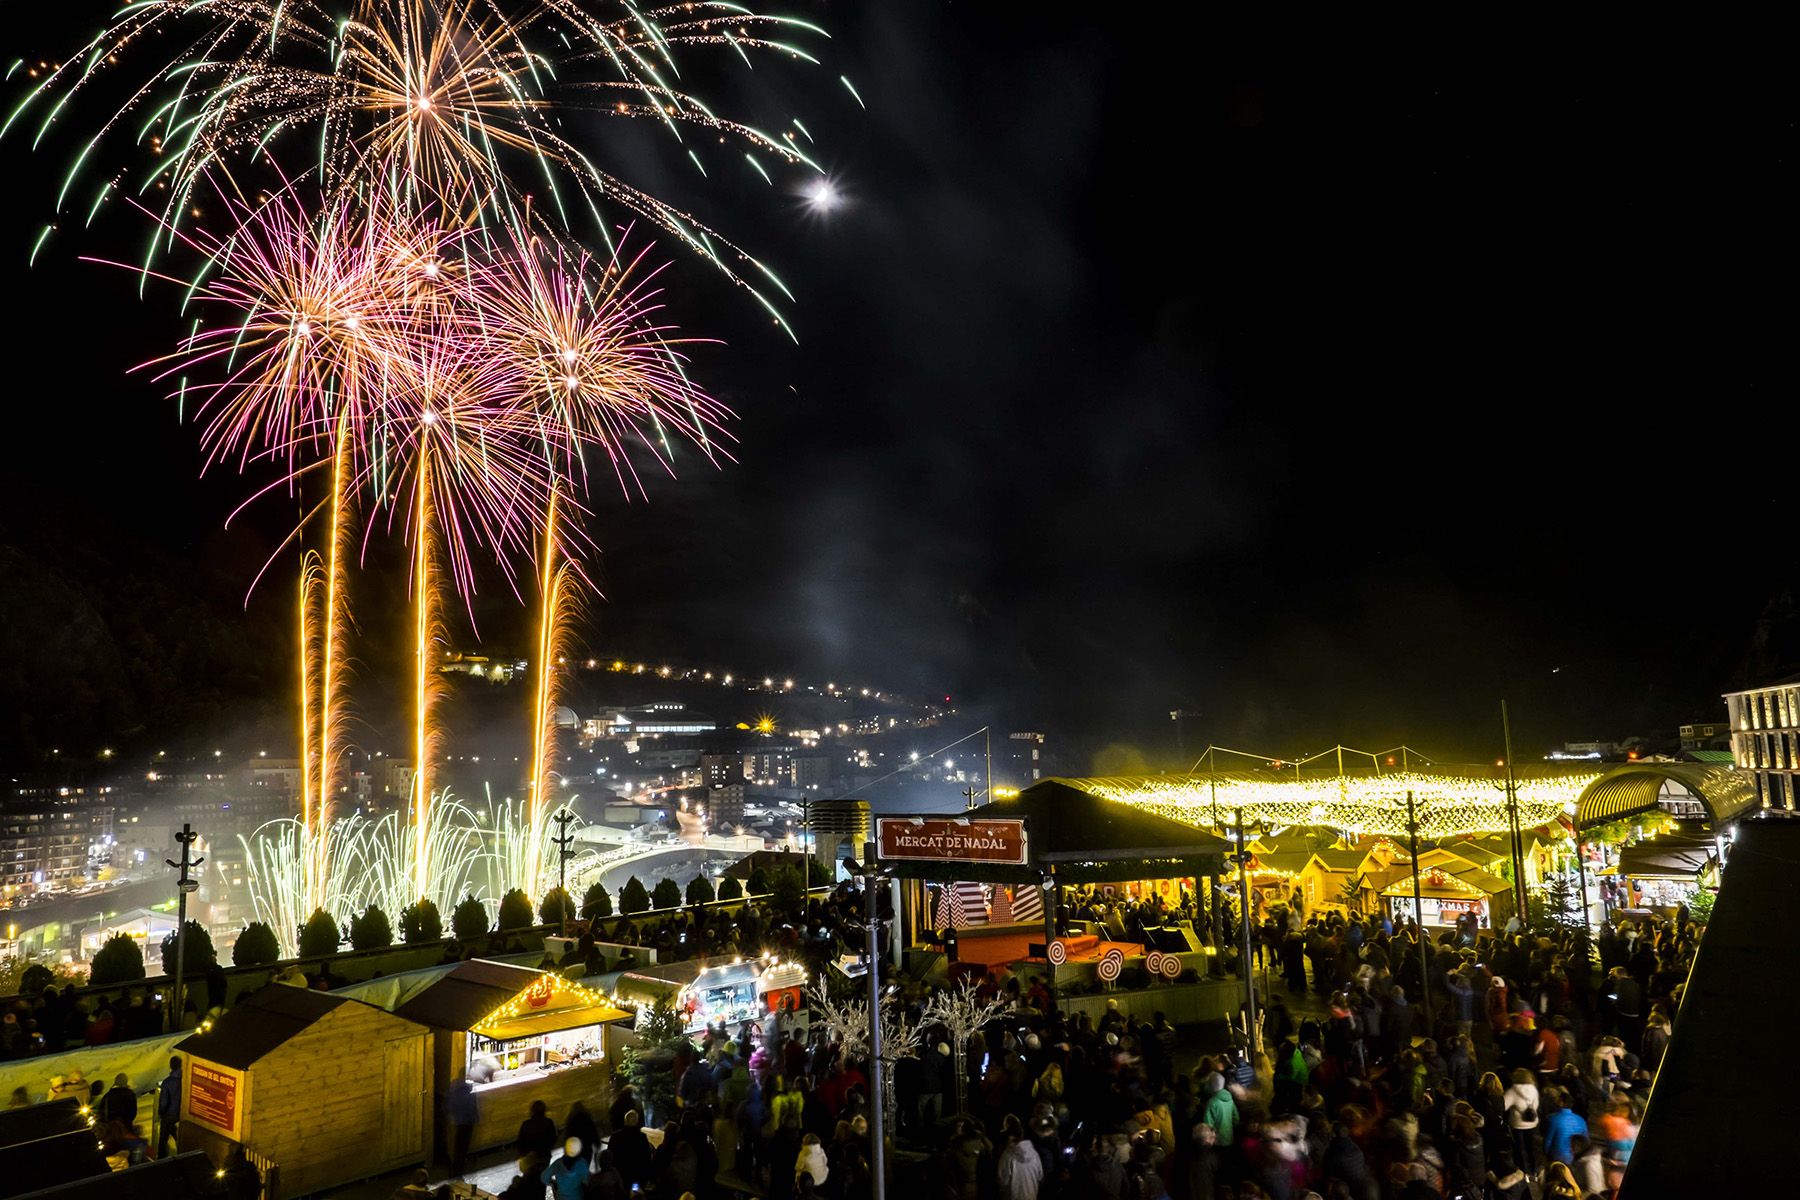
1444, 805
543, 990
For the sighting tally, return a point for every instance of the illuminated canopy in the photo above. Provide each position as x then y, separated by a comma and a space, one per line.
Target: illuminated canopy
1720, 793
1448, 800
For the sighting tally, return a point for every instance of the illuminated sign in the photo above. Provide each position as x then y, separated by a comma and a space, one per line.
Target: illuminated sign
214, 1097
946, 839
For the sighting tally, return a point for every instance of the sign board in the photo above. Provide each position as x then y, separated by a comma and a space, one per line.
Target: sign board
1438, 910
999, 841
214, 1098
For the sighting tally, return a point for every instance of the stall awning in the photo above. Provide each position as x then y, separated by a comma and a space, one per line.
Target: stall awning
1670, 856
553, 1021
468, 994
1714, 793
1087, 838
260, 1023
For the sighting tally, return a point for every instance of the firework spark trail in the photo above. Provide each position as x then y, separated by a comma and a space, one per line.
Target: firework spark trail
335, 639
456, 91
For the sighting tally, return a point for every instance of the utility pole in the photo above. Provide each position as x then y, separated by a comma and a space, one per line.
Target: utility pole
1412, 837
1243, 858
872, 879
563, 840
185, 884
1512, 821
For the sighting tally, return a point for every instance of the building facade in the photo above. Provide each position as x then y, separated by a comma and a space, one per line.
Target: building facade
1765, 739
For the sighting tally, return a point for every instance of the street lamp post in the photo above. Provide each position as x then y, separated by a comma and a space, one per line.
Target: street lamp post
1244, 933
563, 841
1412, 838
184, 885
872, 879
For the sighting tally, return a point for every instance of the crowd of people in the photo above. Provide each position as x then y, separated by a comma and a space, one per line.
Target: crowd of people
1497, 1066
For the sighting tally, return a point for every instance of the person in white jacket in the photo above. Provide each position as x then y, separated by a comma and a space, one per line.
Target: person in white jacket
811, 1160
1020, 1171
1522, 1117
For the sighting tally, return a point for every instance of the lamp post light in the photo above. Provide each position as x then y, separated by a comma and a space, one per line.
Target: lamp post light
185, 885
869, 871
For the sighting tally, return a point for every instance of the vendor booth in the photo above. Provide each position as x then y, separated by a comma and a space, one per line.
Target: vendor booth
318, 1089
1446, 896
516, 1035
1665, 871
712, 991
1140, 876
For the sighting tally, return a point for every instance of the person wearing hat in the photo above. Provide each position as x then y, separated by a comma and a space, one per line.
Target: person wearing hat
1221, 1112
1019, 1170
630, 1148
567, 1176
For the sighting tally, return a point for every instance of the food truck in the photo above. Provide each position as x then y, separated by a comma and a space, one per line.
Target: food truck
516, 1035
710, 991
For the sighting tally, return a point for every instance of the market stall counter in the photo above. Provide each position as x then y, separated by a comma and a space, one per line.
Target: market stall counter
516, 1035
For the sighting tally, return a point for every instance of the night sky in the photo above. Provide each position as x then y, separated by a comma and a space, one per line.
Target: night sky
1327, 385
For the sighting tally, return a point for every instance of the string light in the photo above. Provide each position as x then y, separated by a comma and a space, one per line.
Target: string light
541, 991
1445, 805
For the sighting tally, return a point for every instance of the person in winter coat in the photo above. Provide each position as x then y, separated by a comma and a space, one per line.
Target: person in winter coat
630, 1149
567, 1177
121, 1103
579, 1125
537, 1137
1020, 1171
1562, 1126
1221, 1110
968, 1146
1466, 1157
1522, 1118
811, 1160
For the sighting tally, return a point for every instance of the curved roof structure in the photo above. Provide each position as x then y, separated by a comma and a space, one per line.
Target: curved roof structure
1448, 800
1722, 793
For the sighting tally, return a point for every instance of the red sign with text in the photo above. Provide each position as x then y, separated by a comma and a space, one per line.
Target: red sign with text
213, 1097
945, 839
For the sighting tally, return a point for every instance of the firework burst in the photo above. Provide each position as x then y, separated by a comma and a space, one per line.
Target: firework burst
456, 97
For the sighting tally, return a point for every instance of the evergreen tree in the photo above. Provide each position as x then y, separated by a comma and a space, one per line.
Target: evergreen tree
700, 890
596, 902
759, 882
633, 898
555, 907
730, 889
469, 920
667, 894
371, 930
786, 892
201, 957
421, 923
320, 936
515, 910
256, 946
120, 960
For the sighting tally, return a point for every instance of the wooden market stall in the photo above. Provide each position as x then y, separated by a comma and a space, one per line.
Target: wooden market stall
1446, 894
708, 991
517, 1035
318, 1089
